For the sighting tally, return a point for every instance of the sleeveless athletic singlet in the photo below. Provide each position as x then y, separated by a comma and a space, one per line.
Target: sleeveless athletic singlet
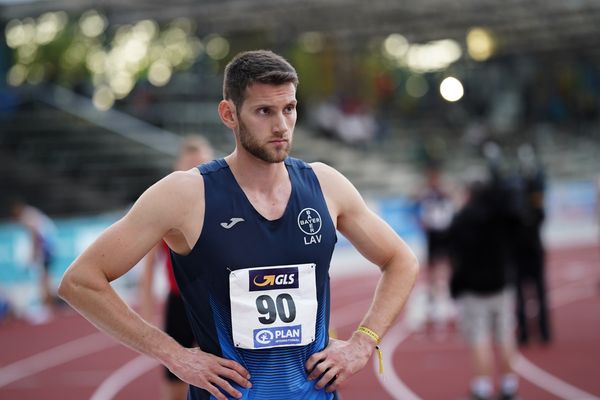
257, 291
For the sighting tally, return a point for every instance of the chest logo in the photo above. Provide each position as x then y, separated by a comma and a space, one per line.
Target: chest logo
309, 222
232, 222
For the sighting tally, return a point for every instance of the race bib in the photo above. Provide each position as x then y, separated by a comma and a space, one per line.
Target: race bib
273, 306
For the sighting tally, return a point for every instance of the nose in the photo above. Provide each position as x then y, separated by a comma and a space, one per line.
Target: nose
280, 124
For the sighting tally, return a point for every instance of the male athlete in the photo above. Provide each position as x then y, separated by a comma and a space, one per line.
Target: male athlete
251, 238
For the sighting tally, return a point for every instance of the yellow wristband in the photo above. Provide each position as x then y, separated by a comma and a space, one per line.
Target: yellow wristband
377, 339
370, 333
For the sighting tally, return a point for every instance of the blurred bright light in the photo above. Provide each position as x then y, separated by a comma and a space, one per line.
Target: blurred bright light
480, 44
92, 23
433, 56
395, 46
96, 61
217, 47
114, 65
103, 98
19, 33
185, 24
17, 75
146, 29
49, 25
121, 35
416, 86
160, 73
176, 53
121, 84
74, 55
174, 35
14, 33
26, 53
134, 49
451, 89
312, 42
196, 47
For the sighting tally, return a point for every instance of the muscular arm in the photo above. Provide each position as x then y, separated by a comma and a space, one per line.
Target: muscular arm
378, 243
163, 210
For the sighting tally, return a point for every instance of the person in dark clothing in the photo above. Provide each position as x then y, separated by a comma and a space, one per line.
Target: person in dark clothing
435, 208
480, 253
529, 249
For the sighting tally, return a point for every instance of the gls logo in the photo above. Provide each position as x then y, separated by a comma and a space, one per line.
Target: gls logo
309, 222
273, 278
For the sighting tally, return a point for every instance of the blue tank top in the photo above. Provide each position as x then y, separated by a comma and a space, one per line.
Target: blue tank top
257, 290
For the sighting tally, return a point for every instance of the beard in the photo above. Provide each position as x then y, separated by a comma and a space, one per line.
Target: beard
262, 152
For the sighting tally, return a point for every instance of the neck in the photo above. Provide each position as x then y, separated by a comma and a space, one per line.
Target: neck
255, 174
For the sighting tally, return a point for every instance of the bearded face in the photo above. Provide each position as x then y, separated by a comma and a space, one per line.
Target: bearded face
274, 149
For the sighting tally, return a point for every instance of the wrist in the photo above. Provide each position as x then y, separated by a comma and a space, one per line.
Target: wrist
170, 353
365, 343
371, 339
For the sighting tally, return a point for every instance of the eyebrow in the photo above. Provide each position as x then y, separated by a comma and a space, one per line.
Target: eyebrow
265, 105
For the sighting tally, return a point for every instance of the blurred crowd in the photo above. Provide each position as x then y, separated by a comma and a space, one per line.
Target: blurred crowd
485, 248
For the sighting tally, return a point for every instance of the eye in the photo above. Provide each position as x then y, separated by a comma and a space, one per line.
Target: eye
291, 108
264, 111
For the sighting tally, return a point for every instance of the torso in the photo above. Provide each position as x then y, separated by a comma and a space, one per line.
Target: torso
238, 243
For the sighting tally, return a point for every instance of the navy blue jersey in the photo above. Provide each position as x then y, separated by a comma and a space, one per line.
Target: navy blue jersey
256, 290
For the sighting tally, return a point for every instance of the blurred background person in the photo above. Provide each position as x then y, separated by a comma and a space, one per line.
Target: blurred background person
42, 236
480, 254
194, 150
435, 209
529, 249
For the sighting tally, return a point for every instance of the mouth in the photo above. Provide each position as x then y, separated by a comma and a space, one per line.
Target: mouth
278, 141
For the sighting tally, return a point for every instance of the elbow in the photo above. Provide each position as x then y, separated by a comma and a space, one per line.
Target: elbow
66, 286
412, 264
79, 283
72, 284
417, 267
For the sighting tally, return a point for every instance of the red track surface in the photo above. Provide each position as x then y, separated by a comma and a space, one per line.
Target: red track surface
32, 367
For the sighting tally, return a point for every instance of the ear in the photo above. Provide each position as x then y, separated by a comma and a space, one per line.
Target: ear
227, 114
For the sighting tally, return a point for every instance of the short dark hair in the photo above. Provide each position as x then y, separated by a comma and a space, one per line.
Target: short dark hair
261, 66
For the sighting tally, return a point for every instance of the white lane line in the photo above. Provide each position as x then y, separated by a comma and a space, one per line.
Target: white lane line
540, 377
549, 382
390, 380
55, 356
123, 376
393, 385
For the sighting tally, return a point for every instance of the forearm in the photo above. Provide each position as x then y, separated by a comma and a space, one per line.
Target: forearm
394, 287
97, 301
147, 299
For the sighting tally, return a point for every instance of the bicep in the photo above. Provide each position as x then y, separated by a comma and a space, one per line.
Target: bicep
371, 236
127, 241
119, 248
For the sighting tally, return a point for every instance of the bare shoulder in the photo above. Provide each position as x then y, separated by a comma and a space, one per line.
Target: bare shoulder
340, 193
172, 197
327, 174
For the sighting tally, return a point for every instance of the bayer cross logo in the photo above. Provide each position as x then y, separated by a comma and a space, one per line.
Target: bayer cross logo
309, 221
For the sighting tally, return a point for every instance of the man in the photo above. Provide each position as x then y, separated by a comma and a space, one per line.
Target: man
251, 238
42, 232
194, 150
529, 251
435, 209
481, 255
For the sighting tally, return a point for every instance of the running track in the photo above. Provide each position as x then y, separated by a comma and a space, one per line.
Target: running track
68, 358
